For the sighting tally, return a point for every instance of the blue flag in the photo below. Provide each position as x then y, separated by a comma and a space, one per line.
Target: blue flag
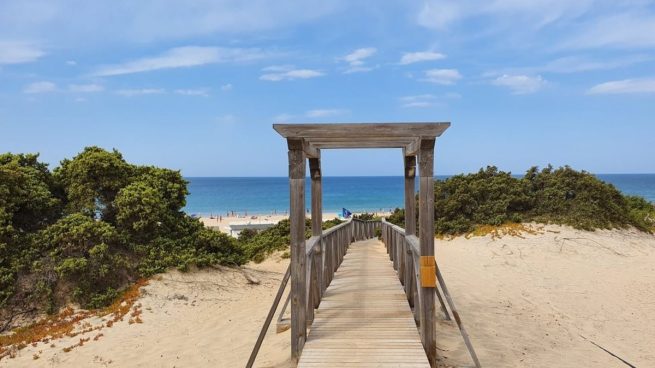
345, 213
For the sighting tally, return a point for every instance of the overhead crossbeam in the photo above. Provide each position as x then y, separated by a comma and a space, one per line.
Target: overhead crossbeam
361, 135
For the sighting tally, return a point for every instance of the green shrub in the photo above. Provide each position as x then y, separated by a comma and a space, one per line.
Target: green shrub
92, 228
560, 196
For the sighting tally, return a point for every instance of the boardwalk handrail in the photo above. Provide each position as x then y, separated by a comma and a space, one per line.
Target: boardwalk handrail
404, 252
324, 254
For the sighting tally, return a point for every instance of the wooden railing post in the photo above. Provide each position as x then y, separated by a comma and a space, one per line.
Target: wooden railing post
317, 225
427, 264
410, 195
298, 255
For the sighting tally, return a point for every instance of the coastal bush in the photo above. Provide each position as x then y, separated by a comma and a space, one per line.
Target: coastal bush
87, 230
366, 216
560, 196
259, 245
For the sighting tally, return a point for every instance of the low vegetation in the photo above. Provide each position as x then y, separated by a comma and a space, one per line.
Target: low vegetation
465, 203
87, 231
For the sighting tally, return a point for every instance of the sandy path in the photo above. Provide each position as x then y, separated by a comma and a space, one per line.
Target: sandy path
526, 303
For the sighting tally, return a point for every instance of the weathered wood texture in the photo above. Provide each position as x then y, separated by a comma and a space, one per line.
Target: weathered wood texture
269, 318
364, 319
410, 194
426, 231
298, 271
377, 135
317, 195
359, 131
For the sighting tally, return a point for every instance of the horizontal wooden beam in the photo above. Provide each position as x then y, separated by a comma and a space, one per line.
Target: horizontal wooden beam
357, 131
311, 151
411, 149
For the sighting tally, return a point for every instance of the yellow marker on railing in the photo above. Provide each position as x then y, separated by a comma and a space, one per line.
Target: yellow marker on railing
428, 272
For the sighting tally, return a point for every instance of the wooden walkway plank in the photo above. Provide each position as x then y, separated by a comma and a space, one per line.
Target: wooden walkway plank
364, 319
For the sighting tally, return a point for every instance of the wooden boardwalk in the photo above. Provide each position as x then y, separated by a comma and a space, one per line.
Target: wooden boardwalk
364, 319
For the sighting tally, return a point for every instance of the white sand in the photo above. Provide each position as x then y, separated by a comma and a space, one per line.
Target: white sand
222, 223
525, 302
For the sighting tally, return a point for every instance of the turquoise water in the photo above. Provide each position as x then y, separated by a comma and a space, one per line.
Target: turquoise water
268, 195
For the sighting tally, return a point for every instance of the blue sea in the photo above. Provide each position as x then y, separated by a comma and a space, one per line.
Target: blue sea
257, 195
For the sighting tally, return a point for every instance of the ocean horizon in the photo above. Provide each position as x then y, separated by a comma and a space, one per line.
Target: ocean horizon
267, 195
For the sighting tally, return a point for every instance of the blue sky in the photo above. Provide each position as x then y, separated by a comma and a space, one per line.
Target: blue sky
197, 87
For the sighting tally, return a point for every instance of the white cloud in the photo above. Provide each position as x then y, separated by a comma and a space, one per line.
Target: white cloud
201, 92
358, 69
418, 101
283, 117
70, 22
311, 114
442, 76
40, 87
226, 87
288, 72
427, 100
415, 57
71, 62
85, 88
322, 113
625, 30
12, 52
440, 14
520, 84
140, 92
443, 14
181, 57
356, 59
644, 85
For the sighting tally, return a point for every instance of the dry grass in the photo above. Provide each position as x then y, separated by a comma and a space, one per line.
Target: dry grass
498, 231
64, 324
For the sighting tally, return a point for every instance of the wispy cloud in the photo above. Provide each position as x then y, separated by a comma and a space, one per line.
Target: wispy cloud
85, 88
356, 59
13, 52
311, 114
443, 14
442, 76
182, 57
520, 84
40, 87
419, 56
278, 73
626, 30
576, 64
140, 92
226, 87
322, 113
427, 100
200, 92
643, 85
148, 22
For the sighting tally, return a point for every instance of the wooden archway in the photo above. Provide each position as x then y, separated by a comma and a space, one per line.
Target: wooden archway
417, 141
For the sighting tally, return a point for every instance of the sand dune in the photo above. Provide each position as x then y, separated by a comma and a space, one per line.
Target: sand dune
537, 301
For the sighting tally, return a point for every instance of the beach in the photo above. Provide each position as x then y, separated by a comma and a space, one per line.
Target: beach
551, 298
222, 223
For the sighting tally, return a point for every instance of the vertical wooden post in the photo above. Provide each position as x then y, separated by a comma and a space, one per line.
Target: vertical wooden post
410, 195
317, 226
426, 229
317, 196
298, 267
